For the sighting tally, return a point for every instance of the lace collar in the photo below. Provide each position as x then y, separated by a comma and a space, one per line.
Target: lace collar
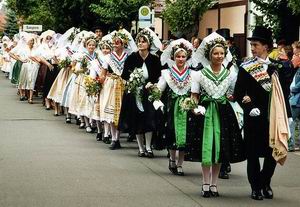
216, 78
90, 57
178, 81
117, 62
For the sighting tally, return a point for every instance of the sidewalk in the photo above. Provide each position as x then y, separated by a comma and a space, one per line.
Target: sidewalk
47, 163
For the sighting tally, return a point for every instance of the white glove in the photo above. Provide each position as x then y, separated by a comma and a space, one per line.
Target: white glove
254, 112
158, 105
200, 110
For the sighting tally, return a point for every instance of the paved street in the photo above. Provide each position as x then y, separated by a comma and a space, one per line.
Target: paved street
47, 163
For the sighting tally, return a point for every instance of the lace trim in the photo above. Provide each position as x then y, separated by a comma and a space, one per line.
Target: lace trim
211, 88
116, 63
178, 87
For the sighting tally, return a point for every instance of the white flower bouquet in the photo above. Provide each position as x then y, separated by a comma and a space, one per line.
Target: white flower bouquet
188, 104
135, 83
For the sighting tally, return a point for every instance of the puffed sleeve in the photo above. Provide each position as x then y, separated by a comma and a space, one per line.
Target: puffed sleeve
232, 77
104, 62
195, 87
162, 83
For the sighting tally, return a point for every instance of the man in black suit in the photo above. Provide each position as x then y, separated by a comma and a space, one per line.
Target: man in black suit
253, 91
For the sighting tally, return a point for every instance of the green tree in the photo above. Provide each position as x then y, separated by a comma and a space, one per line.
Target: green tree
183, 16
118, 12
58, 15
294, 5
279, 15
11, 26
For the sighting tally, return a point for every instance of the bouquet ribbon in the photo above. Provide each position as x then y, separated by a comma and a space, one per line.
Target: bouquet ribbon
211, 130
180, 123
138, 101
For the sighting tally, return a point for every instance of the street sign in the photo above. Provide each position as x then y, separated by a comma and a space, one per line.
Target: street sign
144, 13
32, 28
145, 17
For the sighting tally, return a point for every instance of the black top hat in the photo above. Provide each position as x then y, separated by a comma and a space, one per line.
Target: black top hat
262, 34
224, 32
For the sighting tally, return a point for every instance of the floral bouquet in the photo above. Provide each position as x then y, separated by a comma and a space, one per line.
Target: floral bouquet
93, 86
154, 92
135, 83
188, 104
64, 63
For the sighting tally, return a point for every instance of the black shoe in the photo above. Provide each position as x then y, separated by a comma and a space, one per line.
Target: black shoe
99, 137
82, 125
172, 166
141, 154
256, 195
68, 120
115, 145
94, 129
78, 121
228, 169
130, 138
106, 140
22, 98
149, 153
205, 193
180, 171
268, 192
223, 175
214, 193
118, 145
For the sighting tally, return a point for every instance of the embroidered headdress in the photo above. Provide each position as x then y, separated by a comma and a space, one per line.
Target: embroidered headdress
89, 39
181, 47
203, 53
217, 42
106, 43
152, 39
122, 36
126, 39
74, 32
47, 33
173, 48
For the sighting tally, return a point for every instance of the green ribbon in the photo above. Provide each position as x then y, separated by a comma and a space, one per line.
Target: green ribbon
211, 130
180, 123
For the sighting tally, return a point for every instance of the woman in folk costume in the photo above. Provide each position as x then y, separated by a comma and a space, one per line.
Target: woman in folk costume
59, 84
80, 102
220, 137
12, 60
175, 82
66, 47
106, 47
258, 90
114, 84
14, 54
5, 55
47, 51
137, 113
28, 55
5, 48
7, 60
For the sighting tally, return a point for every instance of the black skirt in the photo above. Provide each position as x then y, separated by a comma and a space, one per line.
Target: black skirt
232, 146
40, 80
49, 79
134, 121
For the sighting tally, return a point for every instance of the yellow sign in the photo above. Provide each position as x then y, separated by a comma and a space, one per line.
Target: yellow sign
145, 11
